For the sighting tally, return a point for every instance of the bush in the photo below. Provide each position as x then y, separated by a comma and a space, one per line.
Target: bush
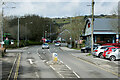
23, 44
34, 43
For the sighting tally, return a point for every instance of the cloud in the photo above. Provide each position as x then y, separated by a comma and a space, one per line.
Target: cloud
60, 9
61, 0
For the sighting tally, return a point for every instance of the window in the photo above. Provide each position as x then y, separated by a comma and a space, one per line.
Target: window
103, 47
106, 49
114, 49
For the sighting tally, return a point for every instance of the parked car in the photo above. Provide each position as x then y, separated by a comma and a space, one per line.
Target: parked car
98, 51
110, 49
58, 44
114, 55
88, 49
112, 44
45, 46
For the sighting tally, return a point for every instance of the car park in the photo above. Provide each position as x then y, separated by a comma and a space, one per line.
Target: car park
58, 44
98, 51
45, 46
113, 55
88, 49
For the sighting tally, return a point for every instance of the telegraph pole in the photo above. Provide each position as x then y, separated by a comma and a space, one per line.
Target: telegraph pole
2, 26
92, 27
18, 33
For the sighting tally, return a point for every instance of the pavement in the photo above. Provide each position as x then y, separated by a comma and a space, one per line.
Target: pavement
103, 63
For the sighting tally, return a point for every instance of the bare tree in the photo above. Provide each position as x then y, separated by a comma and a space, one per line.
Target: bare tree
75, 27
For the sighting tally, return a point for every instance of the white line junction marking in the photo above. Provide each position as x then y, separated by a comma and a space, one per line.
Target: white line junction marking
30, 60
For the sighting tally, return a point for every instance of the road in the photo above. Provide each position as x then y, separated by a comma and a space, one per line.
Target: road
33, 64
82, 68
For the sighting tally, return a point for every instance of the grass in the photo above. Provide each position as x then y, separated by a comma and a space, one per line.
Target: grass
89, 54
76, 48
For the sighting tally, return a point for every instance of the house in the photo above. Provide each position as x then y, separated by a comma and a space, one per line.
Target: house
105, 31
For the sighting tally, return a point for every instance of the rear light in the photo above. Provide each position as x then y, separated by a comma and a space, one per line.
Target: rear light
96, 50
108, 52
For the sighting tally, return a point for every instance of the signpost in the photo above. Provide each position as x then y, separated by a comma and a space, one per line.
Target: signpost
55, 57
117, 38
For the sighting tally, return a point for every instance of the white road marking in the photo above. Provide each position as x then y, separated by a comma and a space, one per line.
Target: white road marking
40, 56
44, 60
61, 61
49, 51
52, 67
71, 69
68, 67
30, 60
37, 75
76, 74
60, 74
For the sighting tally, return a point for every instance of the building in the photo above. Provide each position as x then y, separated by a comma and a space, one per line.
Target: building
105, 30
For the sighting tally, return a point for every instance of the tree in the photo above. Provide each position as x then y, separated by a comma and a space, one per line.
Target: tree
75, 27
31, 26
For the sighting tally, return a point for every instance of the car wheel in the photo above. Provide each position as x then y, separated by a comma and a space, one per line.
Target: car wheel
85, 51
101, 55
112, 58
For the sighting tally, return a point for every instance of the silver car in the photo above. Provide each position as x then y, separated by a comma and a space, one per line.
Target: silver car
45, 46
114, 55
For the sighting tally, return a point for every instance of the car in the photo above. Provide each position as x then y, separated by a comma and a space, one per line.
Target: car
108, 49
45, 46
88, 49
114, 55
58, 44
98, 51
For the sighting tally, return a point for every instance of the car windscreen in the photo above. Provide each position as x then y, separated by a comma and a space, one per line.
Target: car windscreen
45, 44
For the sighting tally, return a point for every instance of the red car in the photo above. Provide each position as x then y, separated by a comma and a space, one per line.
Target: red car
113, 44
108, 49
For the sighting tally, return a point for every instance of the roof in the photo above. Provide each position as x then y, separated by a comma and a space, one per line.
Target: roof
101, 26
104, 24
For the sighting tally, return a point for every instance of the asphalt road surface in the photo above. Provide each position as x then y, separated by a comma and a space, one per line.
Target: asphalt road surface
33, 64
83, 69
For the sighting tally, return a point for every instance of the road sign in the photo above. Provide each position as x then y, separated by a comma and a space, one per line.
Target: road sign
55, 57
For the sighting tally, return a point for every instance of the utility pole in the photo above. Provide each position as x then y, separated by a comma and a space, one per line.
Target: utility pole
18, 32
92, 27
2, 26
50, 31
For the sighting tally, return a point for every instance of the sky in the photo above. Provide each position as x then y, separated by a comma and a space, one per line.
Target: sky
58, 8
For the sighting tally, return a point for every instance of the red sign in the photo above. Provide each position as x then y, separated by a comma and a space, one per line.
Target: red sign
89, 25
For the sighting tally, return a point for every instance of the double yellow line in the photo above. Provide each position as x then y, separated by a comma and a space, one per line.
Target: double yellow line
17, 67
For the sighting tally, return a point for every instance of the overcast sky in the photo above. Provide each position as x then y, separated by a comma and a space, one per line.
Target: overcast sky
58, 8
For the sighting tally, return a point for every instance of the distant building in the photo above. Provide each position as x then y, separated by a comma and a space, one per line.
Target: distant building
104, 30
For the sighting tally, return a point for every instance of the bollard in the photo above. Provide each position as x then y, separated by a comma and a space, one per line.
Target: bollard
55, 57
